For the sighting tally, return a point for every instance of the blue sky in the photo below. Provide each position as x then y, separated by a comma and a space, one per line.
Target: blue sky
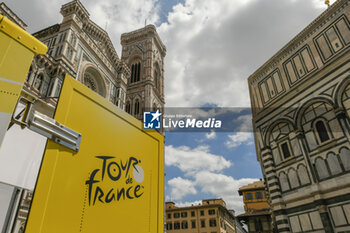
212, 48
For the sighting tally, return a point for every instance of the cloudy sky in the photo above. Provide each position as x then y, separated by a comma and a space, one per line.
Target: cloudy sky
212, 48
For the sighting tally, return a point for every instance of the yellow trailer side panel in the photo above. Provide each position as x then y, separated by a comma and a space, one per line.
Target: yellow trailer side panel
113, 184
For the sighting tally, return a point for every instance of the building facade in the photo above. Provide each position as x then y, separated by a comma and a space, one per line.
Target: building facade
80, 48
257, 214
300, 102
211, 216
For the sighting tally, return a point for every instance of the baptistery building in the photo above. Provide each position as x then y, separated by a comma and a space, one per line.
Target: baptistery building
300, 102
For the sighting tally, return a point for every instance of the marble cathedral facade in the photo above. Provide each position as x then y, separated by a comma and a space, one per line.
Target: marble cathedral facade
301, 118
80, 48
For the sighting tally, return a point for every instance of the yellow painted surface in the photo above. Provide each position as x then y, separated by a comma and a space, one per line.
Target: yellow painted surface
62, 199
16, 33
255, 204
17, 49
9, 94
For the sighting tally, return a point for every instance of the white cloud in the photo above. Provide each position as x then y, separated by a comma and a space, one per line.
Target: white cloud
213, 46
191, 161
123, 16
244, 123
211, 135
222, 186
239, 138
188, 203
204, 172
180, 187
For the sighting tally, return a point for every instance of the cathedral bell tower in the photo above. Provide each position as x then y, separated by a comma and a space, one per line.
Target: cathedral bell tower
144, 52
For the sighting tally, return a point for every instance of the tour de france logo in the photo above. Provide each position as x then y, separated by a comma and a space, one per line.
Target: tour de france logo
126, 177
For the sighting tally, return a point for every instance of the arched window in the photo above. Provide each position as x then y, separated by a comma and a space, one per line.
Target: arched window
38, 81
156, 80
345, 158
293, 178
280, 143
284, 182
321, 131
137, 108
93, 80
135, 72
321, 168
90, 82
303, 175
333, 164
127, 107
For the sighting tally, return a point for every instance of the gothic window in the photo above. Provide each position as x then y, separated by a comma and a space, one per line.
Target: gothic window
333, 163
156, 80
293, 179
135, 72
38, 82
345, 158
303, 175
321, 131
284, 182
137, 108
321, 168
127, 107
